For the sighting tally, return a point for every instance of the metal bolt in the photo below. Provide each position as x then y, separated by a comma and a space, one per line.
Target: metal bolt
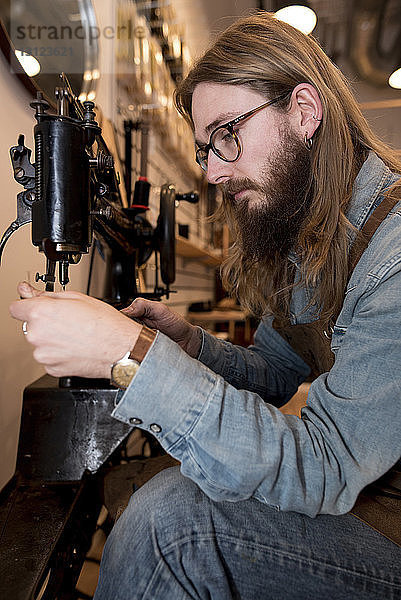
30, 197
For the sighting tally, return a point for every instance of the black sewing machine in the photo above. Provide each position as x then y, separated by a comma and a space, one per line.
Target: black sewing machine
68, 439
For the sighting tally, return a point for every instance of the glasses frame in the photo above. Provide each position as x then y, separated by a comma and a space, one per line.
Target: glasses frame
230, 126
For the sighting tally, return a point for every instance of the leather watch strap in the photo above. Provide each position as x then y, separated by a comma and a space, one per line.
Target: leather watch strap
143, 343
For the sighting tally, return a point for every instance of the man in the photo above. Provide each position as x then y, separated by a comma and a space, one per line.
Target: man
260, 505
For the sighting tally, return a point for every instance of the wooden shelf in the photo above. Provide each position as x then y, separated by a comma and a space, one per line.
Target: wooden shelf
187, 249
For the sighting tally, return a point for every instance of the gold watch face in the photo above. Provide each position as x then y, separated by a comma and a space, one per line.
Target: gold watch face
123, 371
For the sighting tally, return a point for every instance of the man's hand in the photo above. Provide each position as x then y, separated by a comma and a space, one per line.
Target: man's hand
158, 316
74, 334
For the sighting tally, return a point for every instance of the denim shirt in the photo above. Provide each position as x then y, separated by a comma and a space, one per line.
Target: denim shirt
219, 414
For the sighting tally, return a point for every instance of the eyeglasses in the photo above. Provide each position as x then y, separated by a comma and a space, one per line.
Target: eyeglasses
224, 142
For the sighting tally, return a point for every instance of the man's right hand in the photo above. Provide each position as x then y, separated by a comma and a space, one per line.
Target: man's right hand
158, 316
73, 334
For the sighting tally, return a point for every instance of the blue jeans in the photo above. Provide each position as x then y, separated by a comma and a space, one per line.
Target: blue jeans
174, 543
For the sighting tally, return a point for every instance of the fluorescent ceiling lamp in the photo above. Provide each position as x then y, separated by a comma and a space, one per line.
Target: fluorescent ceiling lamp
28, 62
300, 17
395, 79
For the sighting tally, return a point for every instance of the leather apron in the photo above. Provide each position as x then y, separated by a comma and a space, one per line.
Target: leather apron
379, 504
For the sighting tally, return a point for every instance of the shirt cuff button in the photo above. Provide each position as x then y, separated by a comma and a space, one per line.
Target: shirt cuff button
135, 421
155, 428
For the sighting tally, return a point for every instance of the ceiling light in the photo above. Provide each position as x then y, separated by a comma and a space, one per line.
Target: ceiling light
300, 17
28, 62
395, 79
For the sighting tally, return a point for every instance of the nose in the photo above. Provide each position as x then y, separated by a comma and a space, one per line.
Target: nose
218, 171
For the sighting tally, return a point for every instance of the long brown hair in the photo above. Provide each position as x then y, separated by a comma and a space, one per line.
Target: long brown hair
271, 57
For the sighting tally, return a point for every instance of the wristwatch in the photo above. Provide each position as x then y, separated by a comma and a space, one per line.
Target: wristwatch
123, 371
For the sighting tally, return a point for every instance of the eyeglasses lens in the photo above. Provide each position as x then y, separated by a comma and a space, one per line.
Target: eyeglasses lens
225, 144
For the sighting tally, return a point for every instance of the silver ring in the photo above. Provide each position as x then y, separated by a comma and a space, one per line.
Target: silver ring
25, 327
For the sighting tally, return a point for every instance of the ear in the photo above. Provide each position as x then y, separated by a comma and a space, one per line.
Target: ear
306, 109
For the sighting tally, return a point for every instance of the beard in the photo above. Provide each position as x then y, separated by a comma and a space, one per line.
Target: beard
268, 229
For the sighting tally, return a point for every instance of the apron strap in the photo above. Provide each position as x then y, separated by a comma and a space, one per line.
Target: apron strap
369, 229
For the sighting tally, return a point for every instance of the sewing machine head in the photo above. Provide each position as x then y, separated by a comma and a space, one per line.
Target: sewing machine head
72, 190
62, 187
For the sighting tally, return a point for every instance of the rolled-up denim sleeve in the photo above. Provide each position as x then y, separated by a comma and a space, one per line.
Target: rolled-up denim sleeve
230, 442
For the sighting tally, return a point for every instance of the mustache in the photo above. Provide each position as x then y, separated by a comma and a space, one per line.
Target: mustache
232, 187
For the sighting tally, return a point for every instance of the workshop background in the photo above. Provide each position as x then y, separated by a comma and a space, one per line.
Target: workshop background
131, 77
